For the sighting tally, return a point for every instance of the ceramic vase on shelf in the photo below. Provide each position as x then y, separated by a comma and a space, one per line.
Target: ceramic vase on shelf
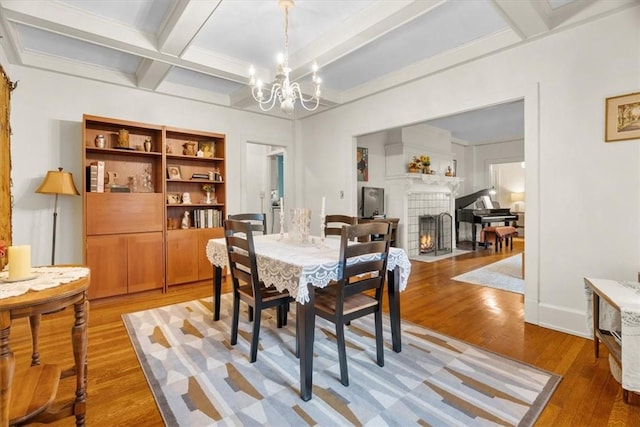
426, 170
208, 200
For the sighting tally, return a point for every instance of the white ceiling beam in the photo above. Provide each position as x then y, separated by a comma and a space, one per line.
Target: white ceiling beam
150, 73
73, 68
374, 22
526, 18
183, 24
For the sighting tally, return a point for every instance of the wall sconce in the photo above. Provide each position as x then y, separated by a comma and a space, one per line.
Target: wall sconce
57, 182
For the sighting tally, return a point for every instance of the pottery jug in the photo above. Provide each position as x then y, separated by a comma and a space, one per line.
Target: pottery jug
100, 141
123, 138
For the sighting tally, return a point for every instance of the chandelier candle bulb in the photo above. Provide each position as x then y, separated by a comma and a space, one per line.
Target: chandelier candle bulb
19, 262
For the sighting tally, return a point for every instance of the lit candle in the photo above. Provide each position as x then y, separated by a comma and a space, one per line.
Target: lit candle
19, 262
322, 209
281, 205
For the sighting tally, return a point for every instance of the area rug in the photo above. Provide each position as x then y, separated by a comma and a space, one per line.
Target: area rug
432, 258
199, 379
505, 274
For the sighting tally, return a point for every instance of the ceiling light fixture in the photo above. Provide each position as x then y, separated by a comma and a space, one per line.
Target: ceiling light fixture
282, 89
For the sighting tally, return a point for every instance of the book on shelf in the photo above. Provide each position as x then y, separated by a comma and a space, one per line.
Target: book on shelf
207, 218
95, 177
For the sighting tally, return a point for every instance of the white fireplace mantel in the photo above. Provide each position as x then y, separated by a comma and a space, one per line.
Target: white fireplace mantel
419, 182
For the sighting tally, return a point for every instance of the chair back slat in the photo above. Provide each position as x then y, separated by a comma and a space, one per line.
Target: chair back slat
363, 264
258, 221
241, 254
333, 223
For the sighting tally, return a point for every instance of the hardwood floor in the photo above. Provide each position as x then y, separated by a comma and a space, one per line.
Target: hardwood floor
119, 395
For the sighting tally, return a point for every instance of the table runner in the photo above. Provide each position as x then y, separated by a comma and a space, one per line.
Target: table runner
46, 277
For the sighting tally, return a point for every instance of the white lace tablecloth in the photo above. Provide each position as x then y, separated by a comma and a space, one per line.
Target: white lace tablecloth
626, 295
45, 278
291, 266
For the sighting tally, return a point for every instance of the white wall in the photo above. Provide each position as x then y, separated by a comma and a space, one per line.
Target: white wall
46, 122
576, 183
508, 179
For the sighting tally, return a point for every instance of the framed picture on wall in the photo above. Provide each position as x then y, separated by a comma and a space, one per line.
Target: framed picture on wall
363, 163
622, 117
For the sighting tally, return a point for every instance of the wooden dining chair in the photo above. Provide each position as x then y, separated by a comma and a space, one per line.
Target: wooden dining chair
258, 221
333, 223
363, 266
246, 285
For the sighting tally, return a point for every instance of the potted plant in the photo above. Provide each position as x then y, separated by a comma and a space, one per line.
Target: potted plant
208, 189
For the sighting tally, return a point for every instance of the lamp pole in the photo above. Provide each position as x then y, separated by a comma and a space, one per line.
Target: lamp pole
53, 244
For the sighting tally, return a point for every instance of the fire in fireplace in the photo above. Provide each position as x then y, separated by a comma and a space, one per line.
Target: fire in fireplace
435, 234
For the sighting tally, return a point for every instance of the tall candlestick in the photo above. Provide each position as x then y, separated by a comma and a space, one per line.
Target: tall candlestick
322, 209
281, 205
19, 262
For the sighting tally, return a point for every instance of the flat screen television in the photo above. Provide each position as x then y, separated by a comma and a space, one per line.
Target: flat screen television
372, 202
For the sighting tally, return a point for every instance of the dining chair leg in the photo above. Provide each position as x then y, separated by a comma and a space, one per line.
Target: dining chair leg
255, 336
279, 316
379, 343
234, 321
297, 338
250, 314
342, 353
285, 313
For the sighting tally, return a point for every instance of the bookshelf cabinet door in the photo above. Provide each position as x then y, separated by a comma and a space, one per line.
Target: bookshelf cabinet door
103, 253
182, 256
145, 262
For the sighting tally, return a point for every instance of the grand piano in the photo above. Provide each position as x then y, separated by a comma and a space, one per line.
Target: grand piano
483, 216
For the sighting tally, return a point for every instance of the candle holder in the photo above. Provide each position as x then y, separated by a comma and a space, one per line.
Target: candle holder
281, 223
322, 228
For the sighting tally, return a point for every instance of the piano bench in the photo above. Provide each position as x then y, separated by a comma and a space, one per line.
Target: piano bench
499, 234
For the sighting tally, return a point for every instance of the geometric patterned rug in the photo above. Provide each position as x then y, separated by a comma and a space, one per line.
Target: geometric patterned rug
199, 379
505, 274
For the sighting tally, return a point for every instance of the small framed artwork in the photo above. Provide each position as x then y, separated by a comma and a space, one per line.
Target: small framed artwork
174, 172
363, 163
174, 198
622, 120
208, 149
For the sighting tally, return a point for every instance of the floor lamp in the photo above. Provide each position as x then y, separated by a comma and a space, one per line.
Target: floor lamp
57, 182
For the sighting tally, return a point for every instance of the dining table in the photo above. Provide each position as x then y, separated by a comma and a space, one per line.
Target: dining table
299, 267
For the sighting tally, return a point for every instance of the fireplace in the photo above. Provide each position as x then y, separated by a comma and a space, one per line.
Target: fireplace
435, 236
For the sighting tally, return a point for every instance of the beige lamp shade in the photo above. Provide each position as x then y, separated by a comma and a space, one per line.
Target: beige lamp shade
58, 182
517, 197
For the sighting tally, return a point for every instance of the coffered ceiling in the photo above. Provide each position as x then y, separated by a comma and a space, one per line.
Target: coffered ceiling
202, 50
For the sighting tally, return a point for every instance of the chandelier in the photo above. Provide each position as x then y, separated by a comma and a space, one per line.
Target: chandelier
282, 90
